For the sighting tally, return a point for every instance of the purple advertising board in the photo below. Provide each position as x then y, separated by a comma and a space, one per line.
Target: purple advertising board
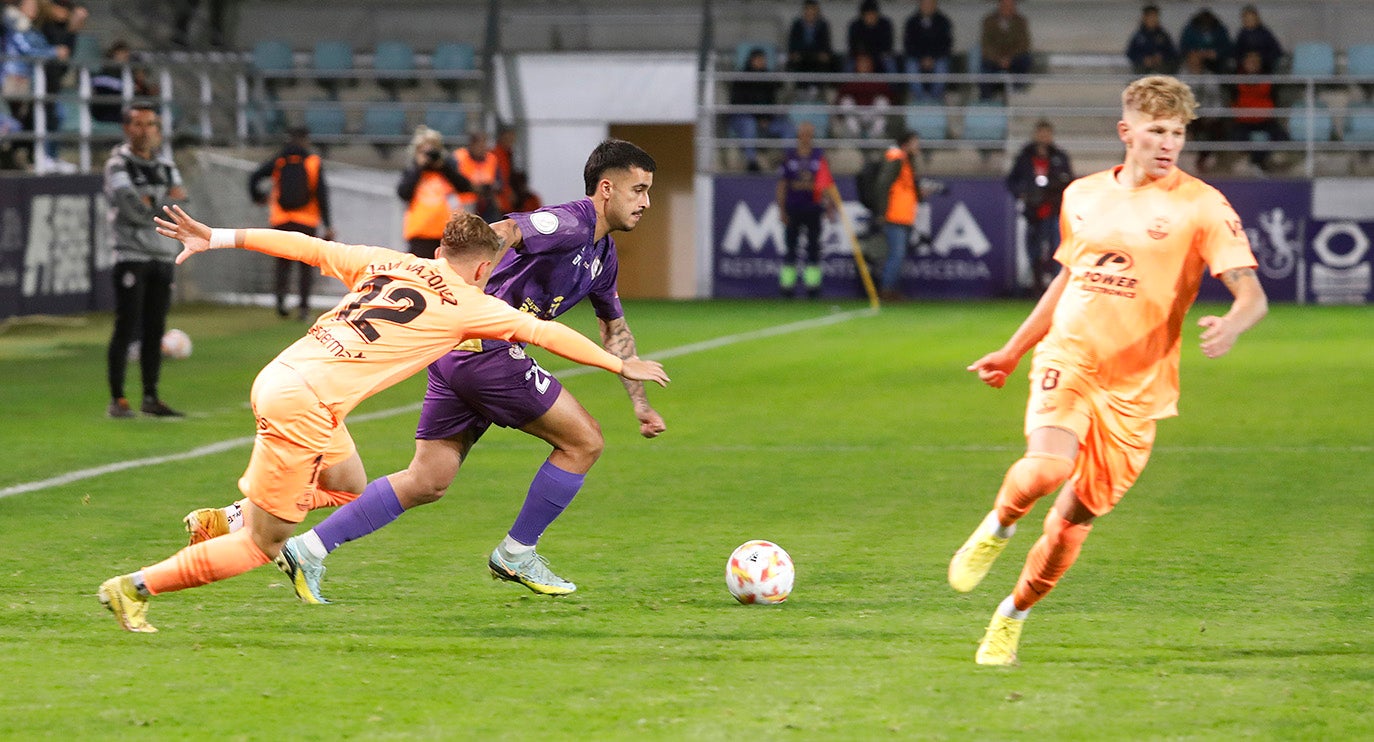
960, 247
53, 254
964, 244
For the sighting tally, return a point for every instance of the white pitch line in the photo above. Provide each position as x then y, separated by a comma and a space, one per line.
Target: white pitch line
228, 445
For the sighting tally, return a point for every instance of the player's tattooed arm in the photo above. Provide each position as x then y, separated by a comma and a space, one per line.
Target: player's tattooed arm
1250, 305
508, 232
620, 342
1235, 276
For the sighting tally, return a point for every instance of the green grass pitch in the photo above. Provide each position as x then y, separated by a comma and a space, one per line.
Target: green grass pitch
1231, 595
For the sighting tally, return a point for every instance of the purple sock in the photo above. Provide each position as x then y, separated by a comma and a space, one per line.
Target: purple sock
374, 508
550, 492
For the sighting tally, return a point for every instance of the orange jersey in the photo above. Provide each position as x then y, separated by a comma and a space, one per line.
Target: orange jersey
1135, 258
401, 314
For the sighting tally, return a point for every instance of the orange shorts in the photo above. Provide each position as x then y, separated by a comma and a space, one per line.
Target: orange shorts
1112, 447
298, 436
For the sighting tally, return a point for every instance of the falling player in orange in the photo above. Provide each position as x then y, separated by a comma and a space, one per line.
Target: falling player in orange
402, 313
1106, 333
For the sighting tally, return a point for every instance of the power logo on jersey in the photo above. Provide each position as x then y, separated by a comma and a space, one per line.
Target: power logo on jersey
1111, 275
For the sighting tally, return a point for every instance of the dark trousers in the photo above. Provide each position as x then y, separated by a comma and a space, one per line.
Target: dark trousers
808, 221
143, 294
305, 276
423, 247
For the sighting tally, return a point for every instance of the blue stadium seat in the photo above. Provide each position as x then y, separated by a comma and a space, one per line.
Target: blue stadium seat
384, 120
266, 121
929, 122
86, 51
1321, 127
986, 122
1359, 59
1314, 58
804, 114
1359, 123
743, 49
449, 120
326, 121
394, 62
272, 56
333, 59
452, 56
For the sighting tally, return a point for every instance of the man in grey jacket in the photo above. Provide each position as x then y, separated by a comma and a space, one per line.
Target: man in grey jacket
138, 181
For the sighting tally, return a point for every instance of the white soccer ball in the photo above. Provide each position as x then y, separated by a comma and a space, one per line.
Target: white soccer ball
760, 572
176, 344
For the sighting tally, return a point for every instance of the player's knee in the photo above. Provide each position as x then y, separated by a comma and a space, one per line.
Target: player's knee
1043, 473
587, 444
1063, 532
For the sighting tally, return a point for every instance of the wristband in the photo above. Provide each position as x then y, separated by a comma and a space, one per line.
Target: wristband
221, 238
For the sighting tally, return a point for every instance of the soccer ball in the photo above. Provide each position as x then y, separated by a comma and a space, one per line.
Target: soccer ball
759, 572
176, 344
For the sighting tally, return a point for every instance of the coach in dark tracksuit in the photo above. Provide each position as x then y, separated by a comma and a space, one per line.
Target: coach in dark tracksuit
139, 180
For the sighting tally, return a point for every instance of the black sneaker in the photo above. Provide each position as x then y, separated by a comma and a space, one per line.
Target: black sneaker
119, 408
155, 407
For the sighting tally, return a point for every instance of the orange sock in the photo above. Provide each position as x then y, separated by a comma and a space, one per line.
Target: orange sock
1032, 477
206, 562
1049, 559
333, 498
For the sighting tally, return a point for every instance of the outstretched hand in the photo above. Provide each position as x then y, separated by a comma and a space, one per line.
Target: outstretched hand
1218, 336
636, 369
994, 368
193, 236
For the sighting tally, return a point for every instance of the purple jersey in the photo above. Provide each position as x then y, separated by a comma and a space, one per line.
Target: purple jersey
558, 263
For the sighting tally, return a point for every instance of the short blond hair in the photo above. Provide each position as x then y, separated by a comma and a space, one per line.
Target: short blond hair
425, 138
468, 236
1160, 97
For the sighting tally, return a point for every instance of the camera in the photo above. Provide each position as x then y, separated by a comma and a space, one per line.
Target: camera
431, 156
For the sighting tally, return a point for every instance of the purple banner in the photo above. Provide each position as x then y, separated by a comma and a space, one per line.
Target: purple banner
1277, 215
54, 257
960, 247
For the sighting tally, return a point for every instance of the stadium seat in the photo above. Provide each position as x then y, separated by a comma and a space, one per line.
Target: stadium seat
331, 61
449, 120
818, 119
452, 57
1359, 123
1320, 127
86, 51
266, 122
986, 122
1359, 59
275, 64
326, 121
385, 125
929, 122
394, 62
1314, 59
743, 49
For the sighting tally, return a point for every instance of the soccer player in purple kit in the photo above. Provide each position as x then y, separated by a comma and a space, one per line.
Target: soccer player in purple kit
556, 256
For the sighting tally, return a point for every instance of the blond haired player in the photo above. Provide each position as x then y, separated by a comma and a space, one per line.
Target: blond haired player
402, 313
1106, 333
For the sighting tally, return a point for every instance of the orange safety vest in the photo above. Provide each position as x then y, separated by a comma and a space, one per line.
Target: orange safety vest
429, 207
478, 173
901, 197
308, 215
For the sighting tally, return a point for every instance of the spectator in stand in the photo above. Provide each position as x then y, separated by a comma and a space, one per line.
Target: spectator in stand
928, 41
864, 104
808, 42
522, 198
1005, 42
1150, 49
749, 126
108, 83
1207, 127
1256, 37
1207, 35
432, 188
60, 21
1259, 97
185, 10
871, 33
1037, 179
478, 164
23, 42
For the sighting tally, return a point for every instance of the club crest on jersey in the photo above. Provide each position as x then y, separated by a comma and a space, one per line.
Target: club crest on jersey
1160, 229
544, 222
516, 352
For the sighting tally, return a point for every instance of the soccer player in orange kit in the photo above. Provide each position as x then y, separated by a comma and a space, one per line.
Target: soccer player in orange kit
401, 314
1107, 333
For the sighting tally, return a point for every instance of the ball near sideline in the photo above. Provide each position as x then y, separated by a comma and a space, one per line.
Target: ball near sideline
760, 572
176, 344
